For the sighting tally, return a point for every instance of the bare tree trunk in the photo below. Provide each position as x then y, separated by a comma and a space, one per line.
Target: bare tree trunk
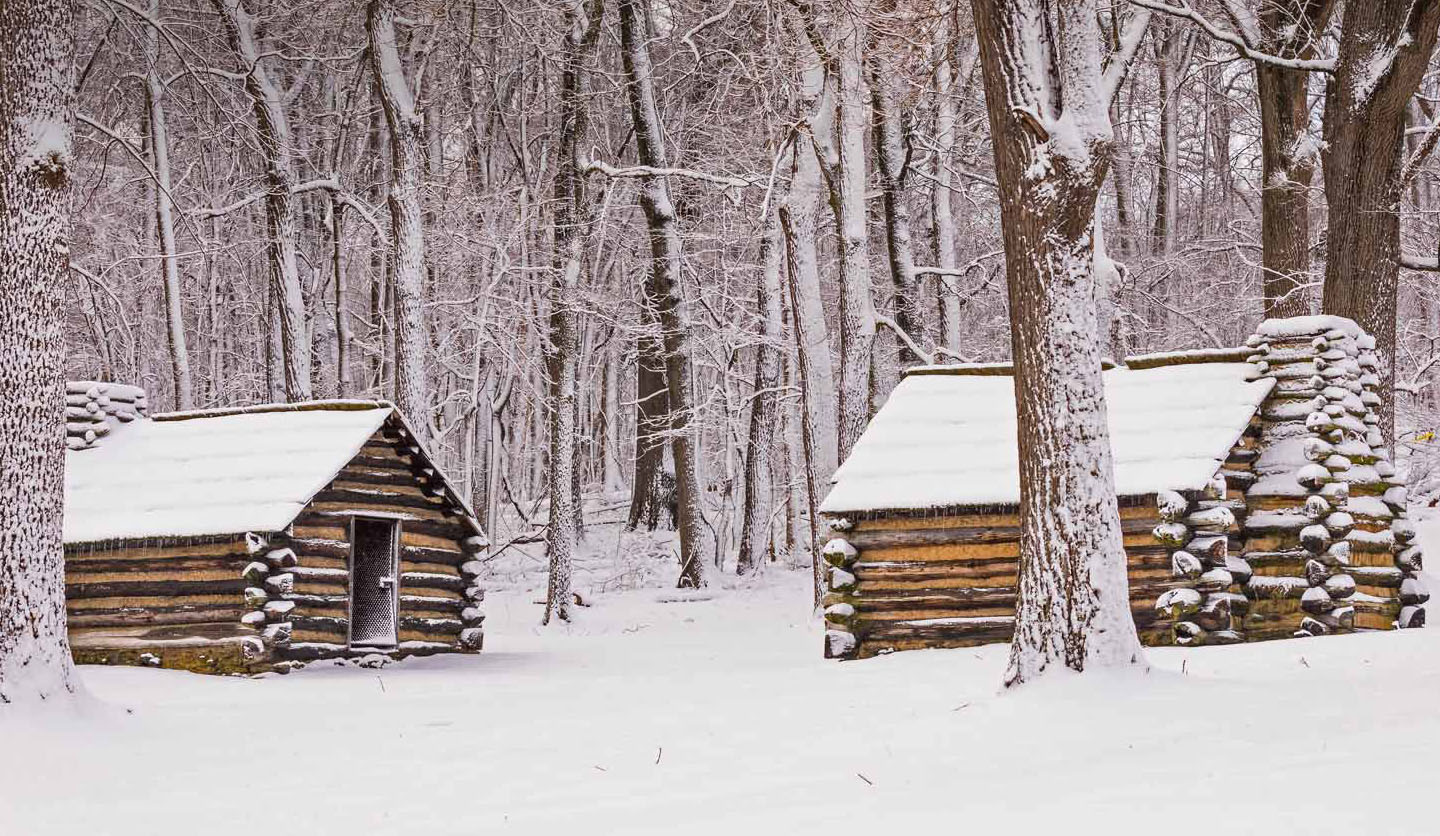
165, 219
273, 127
1385, 47
847, 200
652, 490
412, 392
36, 123
1291, 29
582, 29
663, 289
755, 536
941, 200
802, 203
893, 161
809, 477
344, 382
1048, 103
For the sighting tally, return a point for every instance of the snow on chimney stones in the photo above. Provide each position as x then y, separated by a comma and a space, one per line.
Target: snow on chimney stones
92, 408
1325, 536
839, 603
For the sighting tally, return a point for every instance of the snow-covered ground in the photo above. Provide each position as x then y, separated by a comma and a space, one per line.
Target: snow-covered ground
719, 716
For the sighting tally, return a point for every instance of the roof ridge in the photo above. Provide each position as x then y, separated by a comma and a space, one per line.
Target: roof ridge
333, 405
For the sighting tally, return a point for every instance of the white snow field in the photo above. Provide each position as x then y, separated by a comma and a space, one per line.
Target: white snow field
719, 716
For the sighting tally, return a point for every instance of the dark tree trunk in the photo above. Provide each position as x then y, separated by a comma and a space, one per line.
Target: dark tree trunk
1365, 105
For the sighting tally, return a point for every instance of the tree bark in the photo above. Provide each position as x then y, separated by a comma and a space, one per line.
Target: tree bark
1385, 47
1052, 139
941, 200
847, 178
165, 219
755, 535
582, 30
663, 289
892, 162
1290, 29
412, 392
37, 103
276, 143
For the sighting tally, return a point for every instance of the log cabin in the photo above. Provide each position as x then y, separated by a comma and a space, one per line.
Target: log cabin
1257, 500
260, 538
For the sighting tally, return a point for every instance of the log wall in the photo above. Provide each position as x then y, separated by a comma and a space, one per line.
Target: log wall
172, 603
905, 582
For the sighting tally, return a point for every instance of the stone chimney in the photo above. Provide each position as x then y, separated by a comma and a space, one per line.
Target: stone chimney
93, 409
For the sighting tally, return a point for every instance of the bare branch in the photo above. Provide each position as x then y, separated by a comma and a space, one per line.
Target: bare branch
1184, 11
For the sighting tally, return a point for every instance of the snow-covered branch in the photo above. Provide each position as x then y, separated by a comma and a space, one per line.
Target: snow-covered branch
597, 167
1119, 65
1184, 10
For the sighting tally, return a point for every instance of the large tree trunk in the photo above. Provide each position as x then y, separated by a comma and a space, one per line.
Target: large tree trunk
663, 289
802, 203
652, 490
165, 219
1287, 155
847, 200
1052, 139
273, 127
582, 29
1385, 47
412, 393
36, 112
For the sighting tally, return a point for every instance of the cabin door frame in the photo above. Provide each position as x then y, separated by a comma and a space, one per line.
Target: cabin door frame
386, 576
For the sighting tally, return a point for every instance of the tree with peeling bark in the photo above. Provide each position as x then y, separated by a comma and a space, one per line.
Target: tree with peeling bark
36, 123
1048, 101
407, 259
581, 24
663, 290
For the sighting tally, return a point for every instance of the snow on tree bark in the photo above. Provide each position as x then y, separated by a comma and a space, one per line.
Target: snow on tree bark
277, 145
755, 535
165, 219
847, 200
582, 30
663, 289
1048, 104
1385, 47
802, 204
412, 394
1288, 154
36, 113
941, 200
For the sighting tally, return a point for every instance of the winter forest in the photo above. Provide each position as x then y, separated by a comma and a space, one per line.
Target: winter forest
714, 355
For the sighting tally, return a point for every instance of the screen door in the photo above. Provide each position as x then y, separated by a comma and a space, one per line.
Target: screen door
374, 545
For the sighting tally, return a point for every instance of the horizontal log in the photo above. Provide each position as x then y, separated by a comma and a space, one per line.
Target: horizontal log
382, 497
977, 520
178, 632
905, 538
427, 580
154, 588
88, 552
149, 572
155, 616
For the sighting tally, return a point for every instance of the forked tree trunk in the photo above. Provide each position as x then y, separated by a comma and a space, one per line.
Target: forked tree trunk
165, 219
663, 290
1052, 139
582, 29
412, 393
273, 127
36, 123
1385, 47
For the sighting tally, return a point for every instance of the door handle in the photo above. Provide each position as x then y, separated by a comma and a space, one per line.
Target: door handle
387, 583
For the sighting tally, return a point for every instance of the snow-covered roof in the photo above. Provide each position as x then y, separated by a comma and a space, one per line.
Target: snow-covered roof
945, 440
212, 473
